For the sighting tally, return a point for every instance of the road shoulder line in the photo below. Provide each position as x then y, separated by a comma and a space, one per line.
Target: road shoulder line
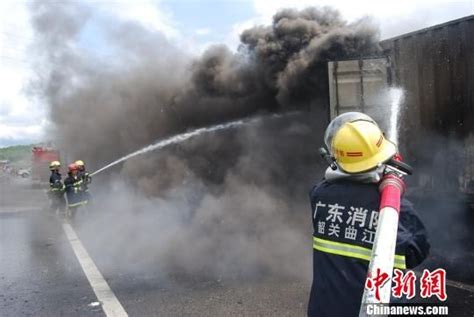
110, 303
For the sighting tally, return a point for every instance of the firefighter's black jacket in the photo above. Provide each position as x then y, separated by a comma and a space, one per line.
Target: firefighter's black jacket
86, 178
75, 191
345, 215
55, 184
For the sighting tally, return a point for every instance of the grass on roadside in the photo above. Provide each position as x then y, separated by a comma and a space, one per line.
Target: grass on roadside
17, 154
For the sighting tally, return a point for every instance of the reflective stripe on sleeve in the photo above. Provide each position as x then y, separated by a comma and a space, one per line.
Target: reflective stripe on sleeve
352, 251
79, 203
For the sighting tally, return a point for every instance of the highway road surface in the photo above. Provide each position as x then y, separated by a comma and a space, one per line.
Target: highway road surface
50, 267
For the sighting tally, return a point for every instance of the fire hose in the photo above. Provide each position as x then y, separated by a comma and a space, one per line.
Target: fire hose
391, 189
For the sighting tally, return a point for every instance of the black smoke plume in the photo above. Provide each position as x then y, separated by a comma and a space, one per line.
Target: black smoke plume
229, 202
148, 88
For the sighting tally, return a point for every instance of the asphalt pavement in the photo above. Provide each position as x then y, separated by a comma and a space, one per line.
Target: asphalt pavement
39, 274
42, 275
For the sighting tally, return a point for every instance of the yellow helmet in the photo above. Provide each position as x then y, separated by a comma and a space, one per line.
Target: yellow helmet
360, 145
54, 165
339, 121
79, 163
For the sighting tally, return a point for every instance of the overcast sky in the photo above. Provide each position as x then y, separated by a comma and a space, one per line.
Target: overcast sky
190, 24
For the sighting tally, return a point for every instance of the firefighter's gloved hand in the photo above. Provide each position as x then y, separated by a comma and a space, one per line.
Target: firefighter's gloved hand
57, 185
88, 178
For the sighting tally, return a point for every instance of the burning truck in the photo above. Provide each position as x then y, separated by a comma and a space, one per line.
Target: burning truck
434, 69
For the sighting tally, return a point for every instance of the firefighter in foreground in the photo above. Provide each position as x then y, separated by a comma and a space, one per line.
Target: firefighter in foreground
56, 188
74, 186
345, 210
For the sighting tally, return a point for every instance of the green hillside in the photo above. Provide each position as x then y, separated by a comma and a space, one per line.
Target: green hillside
16, 153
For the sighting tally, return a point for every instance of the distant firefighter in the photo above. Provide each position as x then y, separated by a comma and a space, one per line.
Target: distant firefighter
75, 193
85, 176
56, 188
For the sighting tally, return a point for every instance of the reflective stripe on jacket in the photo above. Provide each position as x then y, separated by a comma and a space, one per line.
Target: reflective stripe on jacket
345, 218
55, 183
352, 251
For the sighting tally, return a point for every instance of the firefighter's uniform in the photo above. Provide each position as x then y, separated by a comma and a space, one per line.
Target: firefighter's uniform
56, 192
75, 192
86, 179
345, 212
345, 216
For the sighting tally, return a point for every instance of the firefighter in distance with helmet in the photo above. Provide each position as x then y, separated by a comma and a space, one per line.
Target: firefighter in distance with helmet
56, 188
74, 187
86, 178
345, 210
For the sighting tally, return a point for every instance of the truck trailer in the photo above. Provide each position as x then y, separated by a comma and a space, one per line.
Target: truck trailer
434, 68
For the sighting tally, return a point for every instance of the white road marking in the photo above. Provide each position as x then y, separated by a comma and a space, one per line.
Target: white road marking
110, 303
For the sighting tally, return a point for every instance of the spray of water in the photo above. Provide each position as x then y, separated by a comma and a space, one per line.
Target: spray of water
183, 137
396, 97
